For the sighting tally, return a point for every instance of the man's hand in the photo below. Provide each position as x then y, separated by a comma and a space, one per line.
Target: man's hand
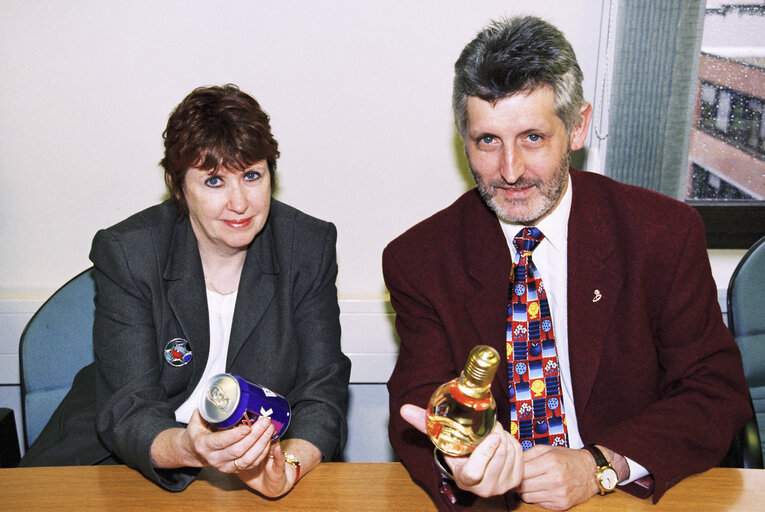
495, 467
557, 478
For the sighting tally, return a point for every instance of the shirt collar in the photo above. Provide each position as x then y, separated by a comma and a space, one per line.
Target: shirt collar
554, 226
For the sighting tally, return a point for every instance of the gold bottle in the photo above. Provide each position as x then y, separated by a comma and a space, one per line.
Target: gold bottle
462, 411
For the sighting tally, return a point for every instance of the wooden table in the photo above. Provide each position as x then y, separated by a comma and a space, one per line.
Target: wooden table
384, 487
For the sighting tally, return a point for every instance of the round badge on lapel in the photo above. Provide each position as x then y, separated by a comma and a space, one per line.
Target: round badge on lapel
178, 352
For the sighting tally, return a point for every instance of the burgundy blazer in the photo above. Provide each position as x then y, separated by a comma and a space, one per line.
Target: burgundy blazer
656, 375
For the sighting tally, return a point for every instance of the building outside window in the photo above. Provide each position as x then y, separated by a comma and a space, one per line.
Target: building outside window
727, 146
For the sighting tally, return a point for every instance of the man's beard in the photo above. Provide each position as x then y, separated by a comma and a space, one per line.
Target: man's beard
551, 191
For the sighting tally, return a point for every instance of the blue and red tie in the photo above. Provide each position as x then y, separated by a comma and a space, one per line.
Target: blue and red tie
536, 400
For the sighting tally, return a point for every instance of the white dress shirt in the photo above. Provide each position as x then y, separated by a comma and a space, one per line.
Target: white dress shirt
550, 258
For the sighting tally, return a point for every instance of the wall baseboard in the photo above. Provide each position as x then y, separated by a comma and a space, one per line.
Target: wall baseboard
368, 337
369, 340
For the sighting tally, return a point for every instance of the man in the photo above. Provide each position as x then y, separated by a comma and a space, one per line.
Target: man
650, 379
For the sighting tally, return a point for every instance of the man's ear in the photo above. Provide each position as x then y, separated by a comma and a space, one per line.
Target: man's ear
579, 133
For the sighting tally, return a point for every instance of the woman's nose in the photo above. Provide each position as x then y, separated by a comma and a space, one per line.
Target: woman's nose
237, 200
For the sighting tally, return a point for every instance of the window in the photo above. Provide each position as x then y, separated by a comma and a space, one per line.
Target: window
728, 138
707, 185
685, 109
726, 158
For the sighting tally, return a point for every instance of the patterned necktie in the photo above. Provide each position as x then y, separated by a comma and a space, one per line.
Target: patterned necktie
536, 403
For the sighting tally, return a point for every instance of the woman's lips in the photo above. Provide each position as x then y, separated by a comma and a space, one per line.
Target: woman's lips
238, 223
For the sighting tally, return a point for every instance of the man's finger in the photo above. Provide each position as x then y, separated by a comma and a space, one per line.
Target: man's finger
535, 451
473, 471
415, 416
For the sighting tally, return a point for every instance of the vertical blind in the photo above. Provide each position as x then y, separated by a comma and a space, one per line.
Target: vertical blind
653, 91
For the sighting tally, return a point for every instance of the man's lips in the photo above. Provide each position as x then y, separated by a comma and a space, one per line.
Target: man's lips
238, 223
516, 192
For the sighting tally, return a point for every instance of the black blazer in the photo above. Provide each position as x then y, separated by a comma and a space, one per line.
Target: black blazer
150, 290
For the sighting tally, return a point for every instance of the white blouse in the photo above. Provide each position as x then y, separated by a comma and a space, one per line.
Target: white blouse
220, 309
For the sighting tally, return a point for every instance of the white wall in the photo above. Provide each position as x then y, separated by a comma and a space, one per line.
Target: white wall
358, 91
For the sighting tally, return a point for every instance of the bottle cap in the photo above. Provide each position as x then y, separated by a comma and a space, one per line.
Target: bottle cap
482, 364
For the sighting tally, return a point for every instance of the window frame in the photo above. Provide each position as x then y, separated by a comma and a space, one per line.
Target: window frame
732, 224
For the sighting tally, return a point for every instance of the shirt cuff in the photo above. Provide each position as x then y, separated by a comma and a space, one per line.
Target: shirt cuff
636, 471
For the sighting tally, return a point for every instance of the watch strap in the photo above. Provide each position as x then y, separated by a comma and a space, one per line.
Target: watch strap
602, 465
600, 459
441, 464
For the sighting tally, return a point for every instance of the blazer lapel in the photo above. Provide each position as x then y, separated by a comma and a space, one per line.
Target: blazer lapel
594, 284
257, 286
489, 267
186, 293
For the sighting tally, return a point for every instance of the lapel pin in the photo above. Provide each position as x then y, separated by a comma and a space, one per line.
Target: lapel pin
178, 352
597, 296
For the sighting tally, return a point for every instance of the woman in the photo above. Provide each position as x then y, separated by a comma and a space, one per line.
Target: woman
244, 282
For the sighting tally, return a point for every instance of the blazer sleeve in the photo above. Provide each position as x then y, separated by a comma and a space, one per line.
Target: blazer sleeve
132, 406
424, 362
319, 397
701, 399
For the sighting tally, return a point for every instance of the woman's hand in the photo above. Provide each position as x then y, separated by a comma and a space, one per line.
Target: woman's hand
231, 450
198, 445
275, 477
246, 451
272, 477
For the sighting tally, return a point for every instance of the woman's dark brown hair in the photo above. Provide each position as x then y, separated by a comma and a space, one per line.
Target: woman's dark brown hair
216, 128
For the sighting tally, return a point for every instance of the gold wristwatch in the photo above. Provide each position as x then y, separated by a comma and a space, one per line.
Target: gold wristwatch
294, 462
606, 476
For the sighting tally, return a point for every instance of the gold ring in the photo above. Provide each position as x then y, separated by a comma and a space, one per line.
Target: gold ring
237, 466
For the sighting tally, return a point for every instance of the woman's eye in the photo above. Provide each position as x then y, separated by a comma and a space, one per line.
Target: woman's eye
251, 175
213, 181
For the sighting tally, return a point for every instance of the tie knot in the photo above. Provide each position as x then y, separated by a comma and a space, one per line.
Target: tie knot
527, 239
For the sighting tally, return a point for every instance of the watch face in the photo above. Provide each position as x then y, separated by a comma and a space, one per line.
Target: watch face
608, 479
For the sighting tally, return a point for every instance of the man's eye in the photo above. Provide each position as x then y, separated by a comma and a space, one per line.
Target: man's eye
251, 175
213, 181
534, 137
487, 139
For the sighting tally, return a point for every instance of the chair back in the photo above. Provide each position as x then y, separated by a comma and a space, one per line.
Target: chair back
746, 320
56, 343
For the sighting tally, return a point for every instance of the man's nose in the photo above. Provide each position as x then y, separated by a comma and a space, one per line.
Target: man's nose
512, 166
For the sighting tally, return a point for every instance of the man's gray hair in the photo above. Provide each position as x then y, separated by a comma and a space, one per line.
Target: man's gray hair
518, 55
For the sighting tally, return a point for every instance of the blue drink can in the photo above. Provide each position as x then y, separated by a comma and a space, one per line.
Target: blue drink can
230, 400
